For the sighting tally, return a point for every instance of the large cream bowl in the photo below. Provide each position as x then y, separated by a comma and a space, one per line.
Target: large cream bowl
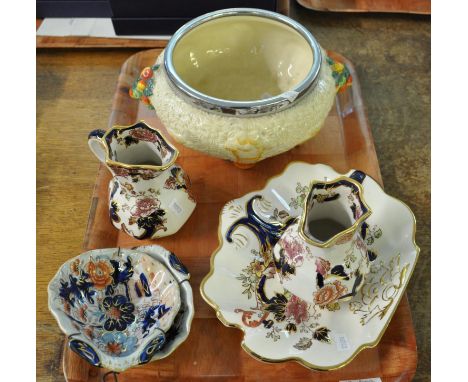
242, 84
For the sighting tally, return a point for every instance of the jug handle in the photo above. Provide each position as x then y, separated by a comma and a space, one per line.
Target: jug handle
97, 145
143, 86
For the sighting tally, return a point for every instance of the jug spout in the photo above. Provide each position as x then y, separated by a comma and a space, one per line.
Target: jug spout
135, 150
333, 212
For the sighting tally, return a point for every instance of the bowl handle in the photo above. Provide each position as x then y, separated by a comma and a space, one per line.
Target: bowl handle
143, 86
152, 347
97, 145
341, 75
84, 350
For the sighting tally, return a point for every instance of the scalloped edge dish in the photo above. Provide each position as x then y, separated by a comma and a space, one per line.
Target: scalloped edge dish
157, 344
280, 327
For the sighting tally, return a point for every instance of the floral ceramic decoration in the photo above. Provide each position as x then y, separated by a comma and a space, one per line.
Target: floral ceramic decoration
149, 194
325, 270
341, 74
320, 332
122, 307
143, 86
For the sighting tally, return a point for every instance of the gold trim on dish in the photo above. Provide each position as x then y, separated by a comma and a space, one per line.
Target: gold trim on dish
298, 359
111, 162
345, 232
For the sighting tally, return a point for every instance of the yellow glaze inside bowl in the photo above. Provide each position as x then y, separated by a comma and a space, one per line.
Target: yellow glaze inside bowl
242, 58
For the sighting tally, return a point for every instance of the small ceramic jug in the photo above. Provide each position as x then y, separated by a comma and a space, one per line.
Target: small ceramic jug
322, 257
149, 195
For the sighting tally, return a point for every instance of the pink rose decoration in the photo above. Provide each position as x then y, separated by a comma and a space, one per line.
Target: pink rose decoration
297, 309
144, 135
323, 266
145, 207
171, 183
147, 174
120, 171
293, 249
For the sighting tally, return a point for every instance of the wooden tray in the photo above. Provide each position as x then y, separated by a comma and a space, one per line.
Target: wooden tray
422, 7
212, 351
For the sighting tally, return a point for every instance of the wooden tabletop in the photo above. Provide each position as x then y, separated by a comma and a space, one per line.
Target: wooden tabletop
394, 6
74, 95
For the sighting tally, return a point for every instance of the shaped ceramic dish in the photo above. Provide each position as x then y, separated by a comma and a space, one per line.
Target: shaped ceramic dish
123, 307
279, 326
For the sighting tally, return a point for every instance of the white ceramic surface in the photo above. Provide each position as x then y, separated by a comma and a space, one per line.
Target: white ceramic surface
279, 326
123, 307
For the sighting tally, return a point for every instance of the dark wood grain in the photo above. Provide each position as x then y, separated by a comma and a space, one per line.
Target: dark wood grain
422, 7
94, 42
212, 350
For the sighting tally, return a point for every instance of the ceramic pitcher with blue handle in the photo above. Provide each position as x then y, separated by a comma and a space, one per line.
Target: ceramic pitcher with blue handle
149, 194
322, 257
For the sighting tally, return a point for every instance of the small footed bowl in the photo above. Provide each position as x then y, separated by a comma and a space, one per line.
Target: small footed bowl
123, 307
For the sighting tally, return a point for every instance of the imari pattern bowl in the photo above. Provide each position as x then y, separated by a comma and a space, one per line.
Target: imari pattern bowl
123, 307
280, 326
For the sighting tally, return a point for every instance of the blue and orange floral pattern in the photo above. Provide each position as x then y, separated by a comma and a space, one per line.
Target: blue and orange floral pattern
138, 282
113, 304
118, 313
119, 344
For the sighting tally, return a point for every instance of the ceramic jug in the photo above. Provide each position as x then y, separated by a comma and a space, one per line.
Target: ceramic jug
149, 194
322, 257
